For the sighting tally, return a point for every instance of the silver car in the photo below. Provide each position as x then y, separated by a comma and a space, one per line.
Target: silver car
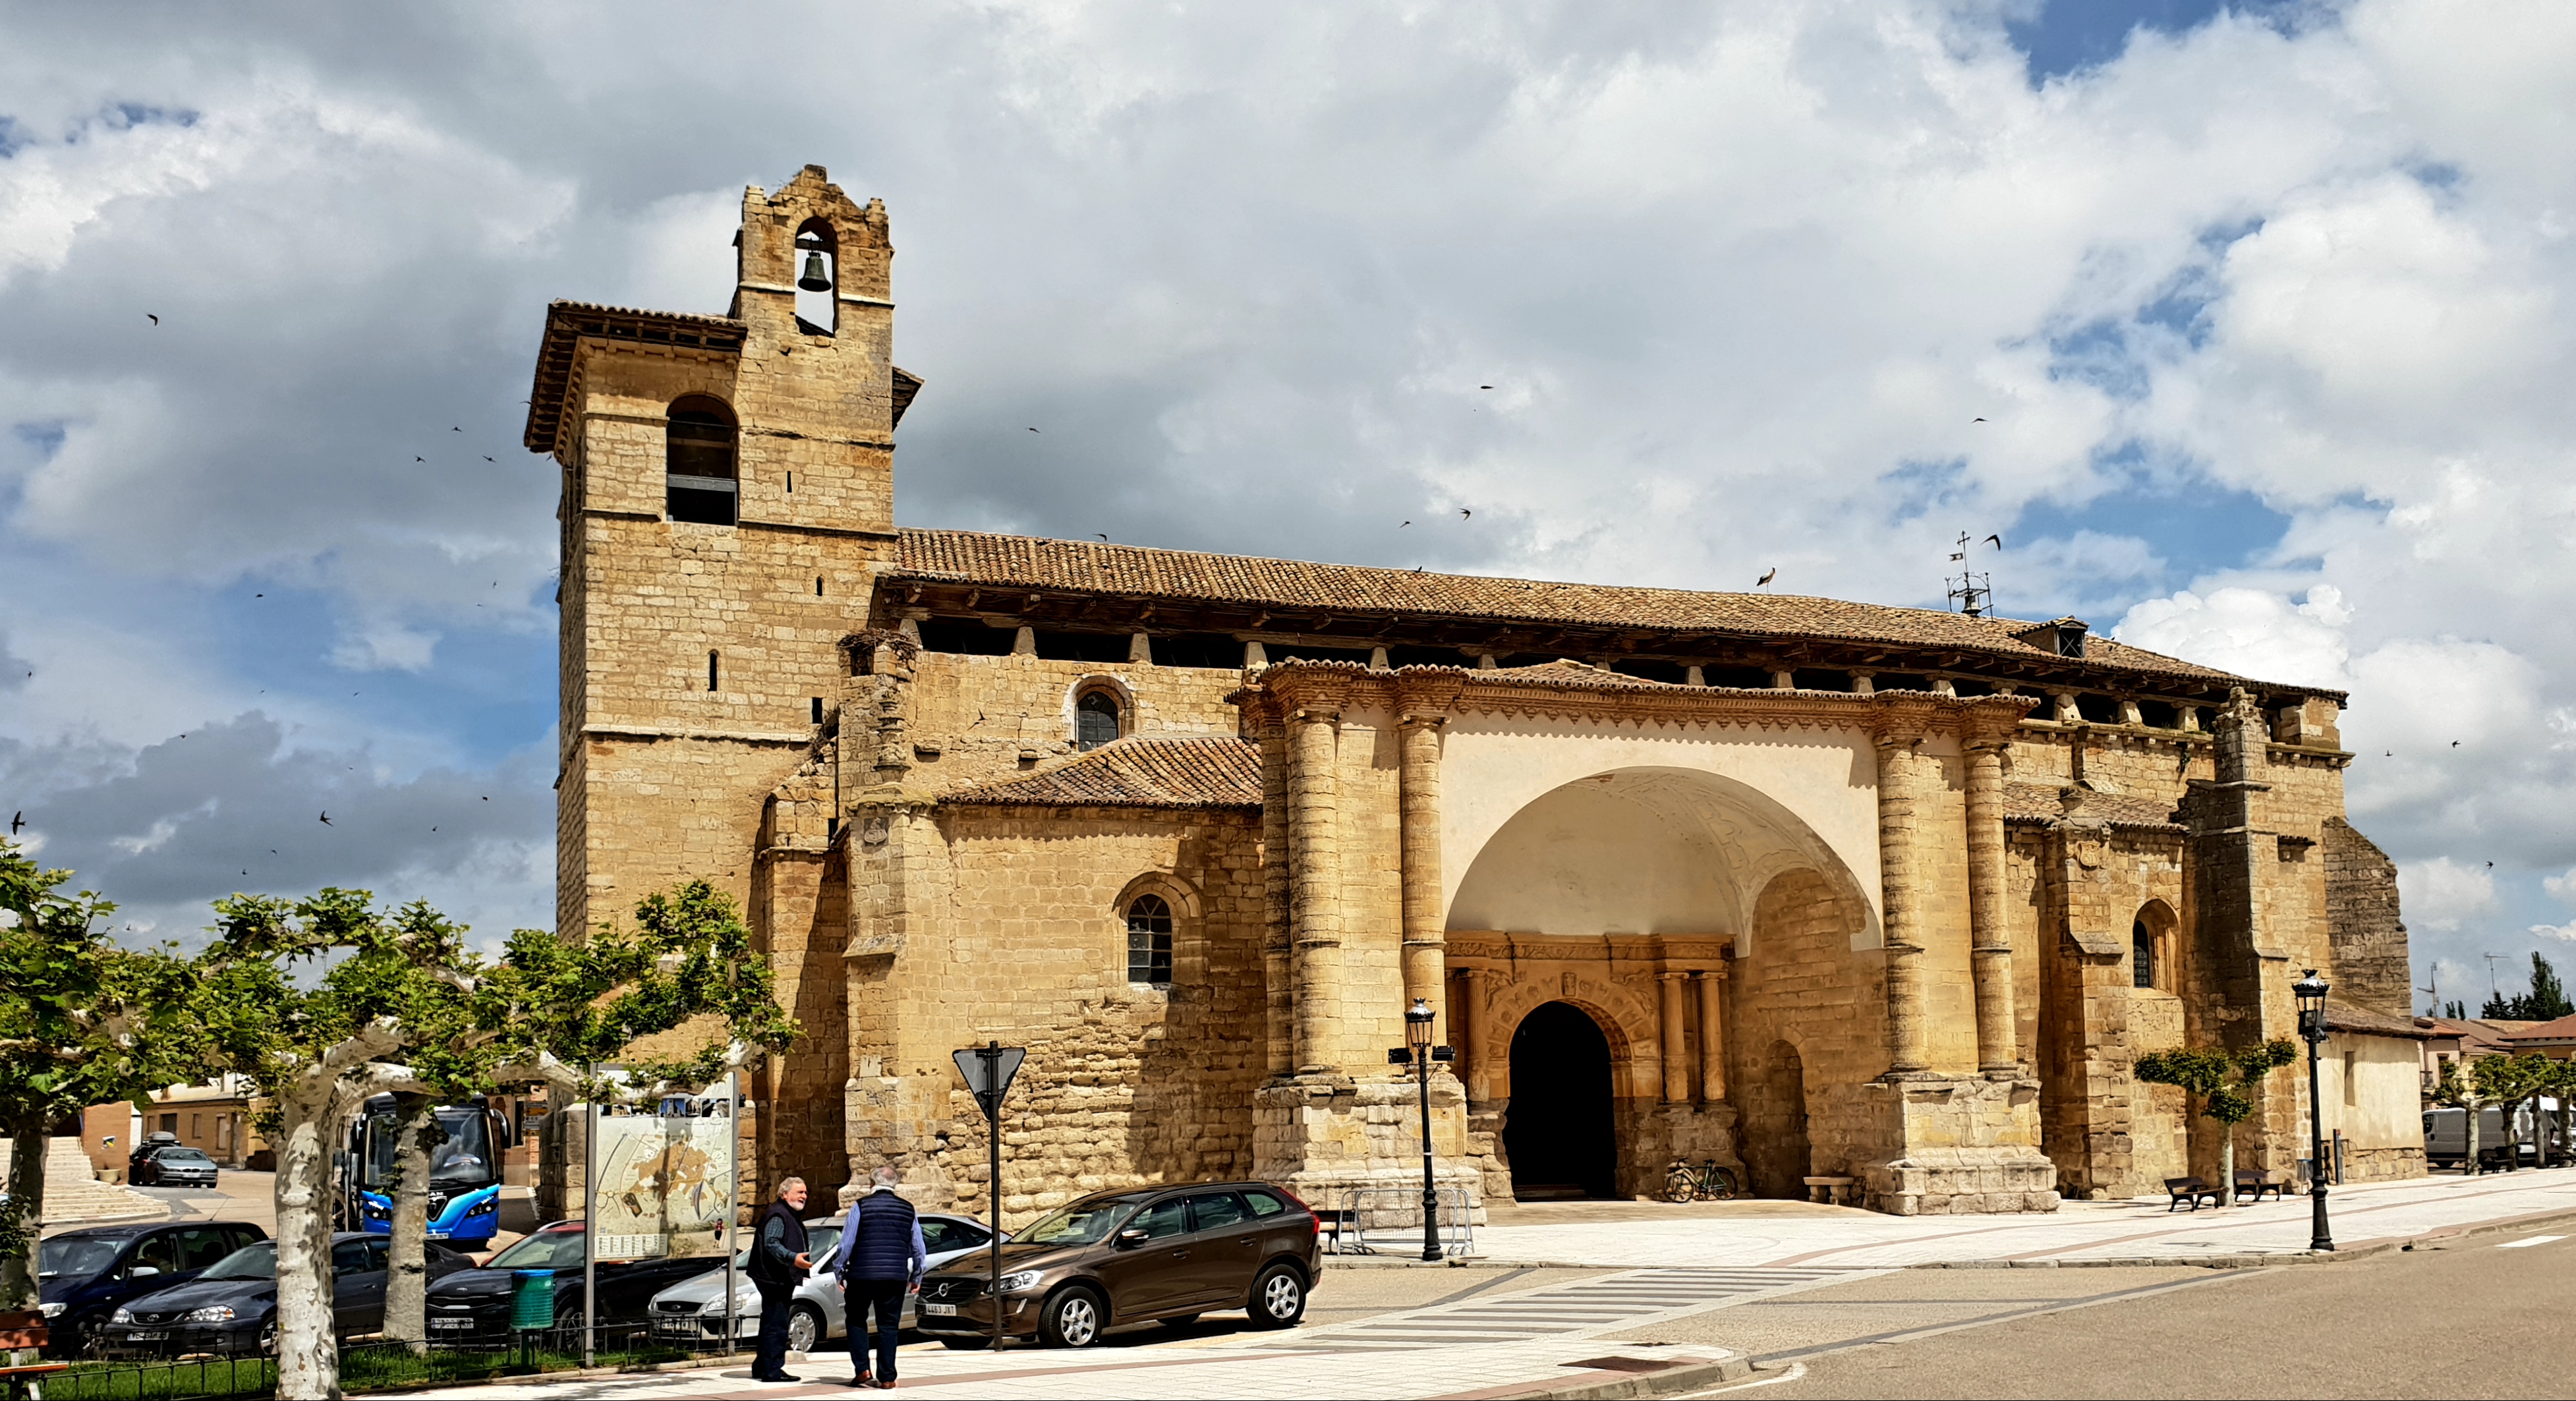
692, 1311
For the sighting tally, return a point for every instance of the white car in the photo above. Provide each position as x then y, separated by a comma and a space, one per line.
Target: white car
692, 1311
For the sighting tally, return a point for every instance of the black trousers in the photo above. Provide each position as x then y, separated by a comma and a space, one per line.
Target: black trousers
777, 1301
883, 1298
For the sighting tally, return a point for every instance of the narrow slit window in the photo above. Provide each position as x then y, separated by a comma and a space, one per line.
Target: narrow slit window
711, 671
818, 710
791, 484
701, 474
1149, 941
818, 586
2142, 955
1095, 720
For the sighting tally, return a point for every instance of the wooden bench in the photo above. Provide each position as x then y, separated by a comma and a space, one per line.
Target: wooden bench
1833, 1191
20, 1380
2258, 1184
1337, 1227
2192, 1190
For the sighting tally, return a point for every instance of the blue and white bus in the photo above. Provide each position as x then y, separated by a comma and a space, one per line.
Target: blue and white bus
464, 1173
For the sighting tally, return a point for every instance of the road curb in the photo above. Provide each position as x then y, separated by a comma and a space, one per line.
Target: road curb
1669, 1381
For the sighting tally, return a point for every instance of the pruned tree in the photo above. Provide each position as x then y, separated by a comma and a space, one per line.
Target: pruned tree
85, 1021
2225, 1081
2509, 1082
2457, 1091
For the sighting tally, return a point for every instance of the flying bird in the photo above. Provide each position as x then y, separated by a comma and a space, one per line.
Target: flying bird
1976, 420
17, 822
420, 459
1484, 386
1465, 514
326, 819
1103, 537
1400, 527
1767, 576
455, 430
1996, 540
1033, 430
487, 459
155, 319
2455, 744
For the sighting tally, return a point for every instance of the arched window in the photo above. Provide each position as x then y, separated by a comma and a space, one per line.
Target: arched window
1149, 941
1095, 720
2142, 955
700, 480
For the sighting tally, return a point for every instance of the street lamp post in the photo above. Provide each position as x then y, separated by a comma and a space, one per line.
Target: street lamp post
1419, 1051
2311, 993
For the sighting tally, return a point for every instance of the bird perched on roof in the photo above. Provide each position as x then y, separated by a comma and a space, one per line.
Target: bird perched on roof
1767, 576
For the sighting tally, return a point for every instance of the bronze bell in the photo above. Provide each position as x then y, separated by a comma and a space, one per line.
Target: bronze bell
814, 279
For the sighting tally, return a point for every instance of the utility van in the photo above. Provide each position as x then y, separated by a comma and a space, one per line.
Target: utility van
2446, 1136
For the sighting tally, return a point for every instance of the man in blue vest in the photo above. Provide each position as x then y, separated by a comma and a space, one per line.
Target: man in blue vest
778, 1266
881, 1261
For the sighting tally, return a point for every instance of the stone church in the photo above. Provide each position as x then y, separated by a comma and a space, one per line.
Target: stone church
1805, 886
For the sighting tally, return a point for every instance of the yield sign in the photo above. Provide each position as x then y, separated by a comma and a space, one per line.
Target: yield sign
988, 1070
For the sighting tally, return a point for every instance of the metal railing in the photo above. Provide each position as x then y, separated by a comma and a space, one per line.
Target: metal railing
1392, 1212
372, 1364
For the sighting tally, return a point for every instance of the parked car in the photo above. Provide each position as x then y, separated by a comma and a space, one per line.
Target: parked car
2446, 1136
473, 1306
693, 1310
152, 1143
232, 1307
173, 1165
1116, 1258
84, 1275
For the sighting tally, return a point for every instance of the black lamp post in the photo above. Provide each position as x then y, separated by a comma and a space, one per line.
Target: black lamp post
2311, 992
1421, 1053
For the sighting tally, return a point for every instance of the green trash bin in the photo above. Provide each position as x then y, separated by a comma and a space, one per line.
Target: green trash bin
532, 1300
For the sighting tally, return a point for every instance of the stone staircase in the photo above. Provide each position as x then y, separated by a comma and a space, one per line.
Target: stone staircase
73, 1192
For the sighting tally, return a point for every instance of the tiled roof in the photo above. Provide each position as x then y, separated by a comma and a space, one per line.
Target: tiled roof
2563, 1029
2039, 802
2341, 1017
1132, 571
1136, 772
2472, 1032
568, 322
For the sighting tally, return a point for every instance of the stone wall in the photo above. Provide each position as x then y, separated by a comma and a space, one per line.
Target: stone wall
2367, 949
1808, 1026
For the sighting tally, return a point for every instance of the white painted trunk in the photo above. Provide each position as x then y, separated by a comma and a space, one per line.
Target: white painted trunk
2227, 1166
416, 1131
28, 1144
308, 1354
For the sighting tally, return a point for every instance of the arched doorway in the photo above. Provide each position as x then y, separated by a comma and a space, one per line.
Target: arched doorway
1558, 1131
1774, 1131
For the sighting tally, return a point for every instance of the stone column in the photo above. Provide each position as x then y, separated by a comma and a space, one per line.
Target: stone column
1677, 1069
1989, 940
1712, 1036
1900, 896
1418, 843
1315, 906
1281, 991
1463, 1034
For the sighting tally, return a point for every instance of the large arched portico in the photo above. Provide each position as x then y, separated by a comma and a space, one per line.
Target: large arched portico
1634, 894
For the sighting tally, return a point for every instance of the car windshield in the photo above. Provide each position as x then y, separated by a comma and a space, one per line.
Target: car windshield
183, 1155
547, 1250
1083, 1223
250, 1262
465, 1159
76, 1259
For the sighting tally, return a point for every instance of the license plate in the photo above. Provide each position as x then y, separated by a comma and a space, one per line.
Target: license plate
149, 1335
940, 1310
451, 1323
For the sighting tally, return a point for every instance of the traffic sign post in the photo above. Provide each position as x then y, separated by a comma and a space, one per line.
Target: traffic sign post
988, 1070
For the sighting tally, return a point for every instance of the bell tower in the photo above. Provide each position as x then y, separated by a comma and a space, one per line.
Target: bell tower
728, 497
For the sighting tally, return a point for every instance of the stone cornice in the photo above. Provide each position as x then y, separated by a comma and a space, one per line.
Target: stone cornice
1426, 692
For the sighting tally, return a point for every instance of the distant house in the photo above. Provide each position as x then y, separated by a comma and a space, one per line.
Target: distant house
2452, 1039
215, 1117
2556, 1040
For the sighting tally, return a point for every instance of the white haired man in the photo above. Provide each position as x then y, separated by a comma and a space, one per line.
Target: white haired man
881, 1261
778, 1266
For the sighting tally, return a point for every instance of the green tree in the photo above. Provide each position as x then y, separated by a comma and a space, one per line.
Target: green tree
2545, 1002
85, 1022
2460, 1091
2225, 1081
2509, 1082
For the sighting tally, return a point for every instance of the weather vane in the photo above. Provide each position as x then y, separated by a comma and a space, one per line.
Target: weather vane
1972, 592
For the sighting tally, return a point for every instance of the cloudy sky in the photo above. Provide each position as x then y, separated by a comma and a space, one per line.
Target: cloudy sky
2265, 311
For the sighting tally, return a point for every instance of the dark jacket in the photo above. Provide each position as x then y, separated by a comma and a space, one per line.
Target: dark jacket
883, 1239
780, 1240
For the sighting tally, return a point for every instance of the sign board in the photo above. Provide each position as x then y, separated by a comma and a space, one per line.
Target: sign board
664, 1185
988, 1071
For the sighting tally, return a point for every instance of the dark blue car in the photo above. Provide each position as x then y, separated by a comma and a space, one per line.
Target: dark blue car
85, 1274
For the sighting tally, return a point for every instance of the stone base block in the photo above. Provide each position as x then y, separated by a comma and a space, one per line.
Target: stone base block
1346, 1144
1958, 1145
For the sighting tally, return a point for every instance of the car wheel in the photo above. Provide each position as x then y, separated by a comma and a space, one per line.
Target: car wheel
1073, 1318
570, 1320
1278, 1298
1179, 1320
804, 1328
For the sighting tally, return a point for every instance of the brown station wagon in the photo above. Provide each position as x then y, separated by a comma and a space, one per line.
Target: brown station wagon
1160, 1253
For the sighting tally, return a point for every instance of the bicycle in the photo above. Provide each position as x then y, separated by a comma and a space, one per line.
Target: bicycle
1706, 1182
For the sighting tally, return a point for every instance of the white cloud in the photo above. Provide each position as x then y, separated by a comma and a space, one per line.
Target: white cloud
2441, 893
2252, 632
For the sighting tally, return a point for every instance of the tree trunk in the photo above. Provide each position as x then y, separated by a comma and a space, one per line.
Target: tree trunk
416, 1132
308, 1353
2469, 1165
2226, 1164
28, 1142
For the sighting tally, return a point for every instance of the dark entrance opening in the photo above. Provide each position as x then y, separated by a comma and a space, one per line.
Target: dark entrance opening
1558, 1130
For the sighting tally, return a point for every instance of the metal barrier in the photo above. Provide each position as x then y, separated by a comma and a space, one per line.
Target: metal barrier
369, 1365
1392, 1211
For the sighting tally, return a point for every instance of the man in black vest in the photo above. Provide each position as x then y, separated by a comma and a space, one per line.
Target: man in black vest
778, 1266
881, 1261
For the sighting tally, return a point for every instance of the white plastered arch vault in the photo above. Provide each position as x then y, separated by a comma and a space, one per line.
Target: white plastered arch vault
1588, 829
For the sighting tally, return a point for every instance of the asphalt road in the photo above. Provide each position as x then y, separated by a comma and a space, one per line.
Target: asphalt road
2477, 1317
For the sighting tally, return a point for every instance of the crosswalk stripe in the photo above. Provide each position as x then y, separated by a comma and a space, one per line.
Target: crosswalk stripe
1561, 1311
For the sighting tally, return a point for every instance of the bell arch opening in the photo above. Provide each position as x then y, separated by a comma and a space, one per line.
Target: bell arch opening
1560, 1133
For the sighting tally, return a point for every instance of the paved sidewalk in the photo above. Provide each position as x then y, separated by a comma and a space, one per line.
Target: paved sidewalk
1628, 1235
